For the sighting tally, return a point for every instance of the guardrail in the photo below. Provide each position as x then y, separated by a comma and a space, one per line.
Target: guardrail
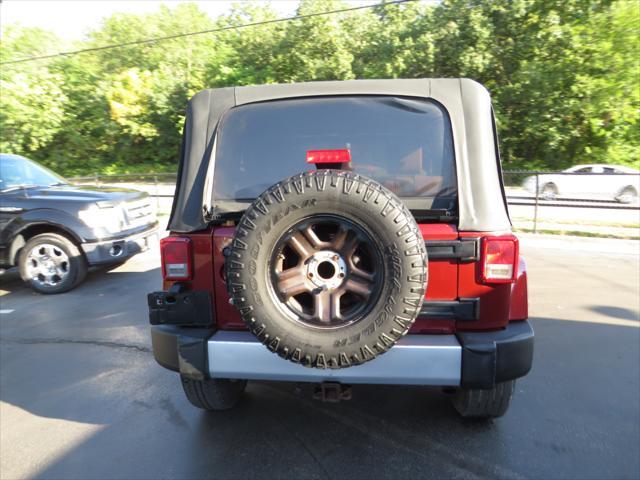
532, 196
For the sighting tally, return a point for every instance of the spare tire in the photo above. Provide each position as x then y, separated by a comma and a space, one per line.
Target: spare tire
328, 269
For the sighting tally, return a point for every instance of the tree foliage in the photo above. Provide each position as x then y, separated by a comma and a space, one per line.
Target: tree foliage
563, 75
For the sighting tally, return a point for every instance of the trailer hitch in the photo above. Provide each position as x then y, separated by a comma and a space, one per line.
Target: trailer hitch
332, 392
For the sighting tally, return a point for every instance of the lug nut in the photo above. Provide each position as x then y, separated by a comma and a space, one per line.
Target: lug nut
336, 257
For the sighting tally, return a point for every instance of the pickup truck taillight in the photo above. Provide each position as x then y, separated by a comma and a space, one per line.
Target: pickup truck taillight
177, 258
499, 259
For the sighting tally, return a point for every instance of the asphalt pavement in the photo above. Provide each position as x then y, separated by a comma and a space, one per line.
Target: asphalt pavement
81, 396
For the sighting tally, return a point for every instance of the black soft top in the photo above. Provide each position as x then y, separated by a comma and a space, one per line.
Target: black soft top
481, 205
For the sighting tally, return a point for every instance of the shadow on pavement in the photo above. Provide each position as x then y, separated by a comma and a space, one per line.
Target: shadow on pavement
575, 415
616, 312
100, 305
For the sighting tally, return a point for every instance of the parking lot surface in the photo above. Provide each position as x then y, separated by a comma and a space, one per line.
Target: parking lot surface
81, 396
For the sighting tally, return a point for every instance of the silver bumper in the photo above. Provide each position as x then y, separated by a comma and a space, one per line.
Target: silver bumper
414, 360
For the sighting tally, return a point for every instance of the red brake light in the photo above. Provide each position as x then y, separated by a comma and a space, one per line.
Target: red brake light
329, 156
499, 259
177, 263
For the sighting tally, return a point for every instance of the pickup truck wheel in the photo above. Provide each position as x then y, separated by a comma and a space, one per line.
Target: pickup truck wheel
213, 394
51, 263
477, 403
328, 269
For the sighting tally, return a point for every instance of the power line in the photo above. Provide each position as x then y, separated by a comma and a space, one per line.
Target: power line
213, 30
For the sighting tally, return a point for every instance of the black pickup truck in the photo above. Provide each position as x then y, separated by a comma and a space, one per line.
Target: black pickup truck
53, 231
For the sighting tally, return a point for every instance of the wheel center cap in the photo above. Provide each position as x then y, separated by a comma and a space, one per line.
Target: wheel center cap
326, 269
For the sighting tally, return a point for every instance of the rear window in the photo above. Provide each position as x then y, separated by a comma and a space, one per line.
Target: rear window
403, 143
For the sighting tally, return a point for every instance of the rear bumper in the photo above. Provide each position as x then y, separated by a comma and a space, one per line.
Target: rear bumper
473, 360
414, 360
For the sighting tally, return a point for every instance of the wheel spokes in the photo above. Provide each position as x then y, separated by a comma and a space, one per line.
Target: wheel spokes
346, 241
301, 245
292, 282
47, 264
361, 275
313, 238
324, 271
326, 306
358, 287
33, 270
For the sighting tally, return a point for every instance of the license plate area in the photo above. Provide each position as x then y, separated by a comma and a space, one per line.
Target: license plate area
184, 308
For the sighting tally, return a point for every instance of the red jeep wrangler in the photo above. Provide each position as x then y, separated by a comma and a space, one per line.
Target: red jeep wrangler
343, 233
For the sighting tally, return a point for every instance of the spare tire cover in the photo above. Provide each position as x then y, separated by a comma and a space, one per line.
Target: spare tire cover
328, 269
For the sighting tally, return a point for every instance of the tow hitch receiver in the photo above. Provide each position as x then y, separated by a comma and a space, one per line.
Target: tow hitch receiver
332, 392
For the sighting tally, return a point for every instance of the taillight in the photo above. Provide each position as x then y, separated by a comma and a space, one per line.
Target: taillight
177, 258
499, 259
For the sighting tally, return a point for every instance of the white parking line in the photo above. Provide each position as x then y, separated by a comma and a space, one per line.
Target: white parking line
6, 311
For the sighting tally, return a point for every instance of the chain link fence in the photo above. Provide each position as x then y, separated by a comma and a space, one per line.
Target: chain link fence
579, 203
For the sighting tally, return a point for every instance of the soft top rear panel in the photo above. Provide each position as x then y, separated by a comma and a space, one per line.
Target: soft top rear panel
480, 200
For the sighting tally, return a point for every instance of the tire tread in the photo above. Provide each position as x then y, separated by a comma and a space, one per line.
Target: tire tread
213, 394
481, 403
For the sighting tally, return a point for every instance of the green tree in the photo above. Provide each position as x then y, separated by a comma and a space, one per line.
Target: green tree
392, 41
246, 56
314, 48
563, 74
31, 99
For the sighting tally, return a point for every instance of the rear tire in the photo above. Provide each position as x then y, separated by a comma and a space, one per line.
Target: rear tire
213, 394
491, 403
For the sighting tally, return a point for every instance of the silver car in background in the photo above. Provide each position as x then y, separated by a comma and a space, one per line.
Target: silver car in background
603, 182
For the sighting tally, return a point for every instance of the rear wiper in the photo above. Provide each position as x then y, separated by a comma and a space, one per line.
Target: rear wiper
434, 215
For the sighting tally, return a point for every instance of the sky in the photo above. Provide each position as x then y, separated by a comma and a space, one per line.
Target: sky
71, 19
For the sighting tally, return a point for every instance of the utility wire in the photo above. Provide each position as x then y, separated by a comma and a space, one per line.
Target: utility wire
213, 30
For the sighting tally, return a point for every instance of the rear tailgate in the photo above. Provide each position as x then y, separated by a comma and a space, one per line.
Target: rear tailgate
453, 280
